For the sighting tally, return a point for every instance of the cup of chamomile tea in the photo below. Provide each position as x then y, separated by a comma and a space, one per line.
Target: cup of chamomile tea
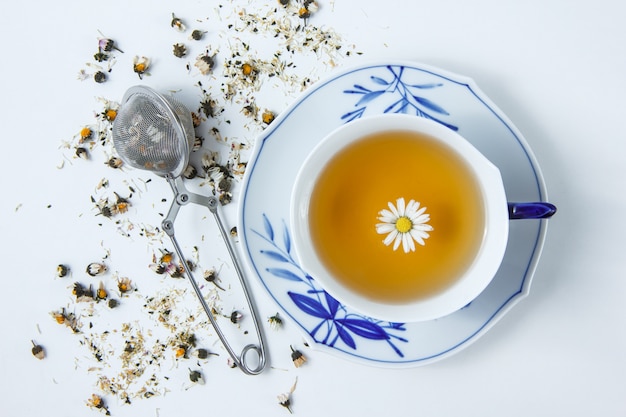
401, 218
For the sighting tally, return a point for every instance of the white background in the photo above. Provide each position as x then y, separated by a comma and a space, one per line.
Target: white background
556, 68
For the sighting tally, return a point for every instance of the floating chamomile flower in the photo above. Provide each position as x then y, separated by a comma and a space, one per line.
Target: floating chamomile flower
404, 224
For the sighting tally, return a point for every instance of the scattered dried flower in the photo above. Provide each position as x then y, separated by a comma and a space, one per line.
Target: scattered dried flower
177, 24
197, 35
82, 293
210, 275
115, 162
62, 270
285, 398
96, 268
190, 172
85, 134
113, 303
99, 77
268, 117
235, 317
141, 65
101, 292
180, 50
98, 403
275, 322
297, 357
205, 63
124, 285
38, 351
196, 376
107, 45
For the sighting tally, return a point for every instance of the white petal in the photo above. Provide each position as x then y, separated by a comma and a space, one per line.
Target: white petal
411, 208
387, 216
390, 237
383, 228
407, 243
424, 218
419, 236
401, 206
420, 211
393, 209
396, 242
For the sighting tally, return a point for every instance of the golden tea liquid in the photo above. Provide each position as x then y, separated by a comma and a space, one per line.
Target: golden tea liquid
361, 180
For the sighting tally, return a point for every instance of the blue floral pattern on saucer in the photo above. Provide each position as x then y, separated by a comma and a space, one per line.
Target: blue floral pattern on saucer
388, 87
336, 323
403, 97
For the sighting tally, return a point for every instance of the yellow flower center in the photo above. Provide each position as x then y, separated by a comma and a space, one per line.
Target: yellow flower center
111, 114
404, 224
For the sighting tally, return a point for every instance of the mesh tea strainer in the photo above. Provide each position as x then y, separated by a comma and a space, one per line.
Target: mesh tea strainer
155, 133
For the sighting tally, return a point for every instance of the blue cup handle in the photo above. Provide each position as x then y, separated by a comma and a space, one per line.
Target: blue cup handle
538, 210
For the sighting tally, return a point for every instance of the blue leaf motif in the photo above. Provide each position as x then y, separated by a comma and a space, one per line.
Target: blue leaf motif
275, 255
333, 305
365, 328
284, 273
379, 80
345, 337
268, 227
425, 86
402, 95
369, 97
309, 305
336, 324
430, 105
286, 239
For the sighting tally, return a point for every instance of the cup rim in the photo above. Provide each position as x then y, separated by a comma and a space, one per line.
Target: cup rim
476, 277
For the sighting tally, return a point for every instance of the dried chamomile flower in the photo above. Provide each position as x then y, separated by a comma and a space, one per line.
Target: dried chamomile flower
141, 65
196, 376
82, 153
275, 322
285, 398
180, 50
268, 117
233, 231
180, 351
38, 351
124, 285
62, 270
197, 35
297, 357
82, 293
304, 13
98, 403
101, 292
190, 172
107, 45
248, 70
99, 77
210, 275
205, 63
177, 24
235, 317
283, 2
121, 204
204, 353
96, 268
64, 317
115, 162
85, 134
100, 56
113, 303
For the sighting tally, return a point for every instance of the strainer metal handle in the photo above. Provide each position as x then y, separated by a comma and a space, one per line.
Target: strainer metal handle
183, 197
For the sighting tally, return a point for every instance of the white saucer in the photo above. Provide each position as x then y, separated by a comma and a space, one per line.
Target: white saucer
404, 87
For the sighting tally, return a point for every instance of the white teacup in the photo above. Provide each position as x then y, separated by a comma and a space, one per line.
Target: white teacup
401, 218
